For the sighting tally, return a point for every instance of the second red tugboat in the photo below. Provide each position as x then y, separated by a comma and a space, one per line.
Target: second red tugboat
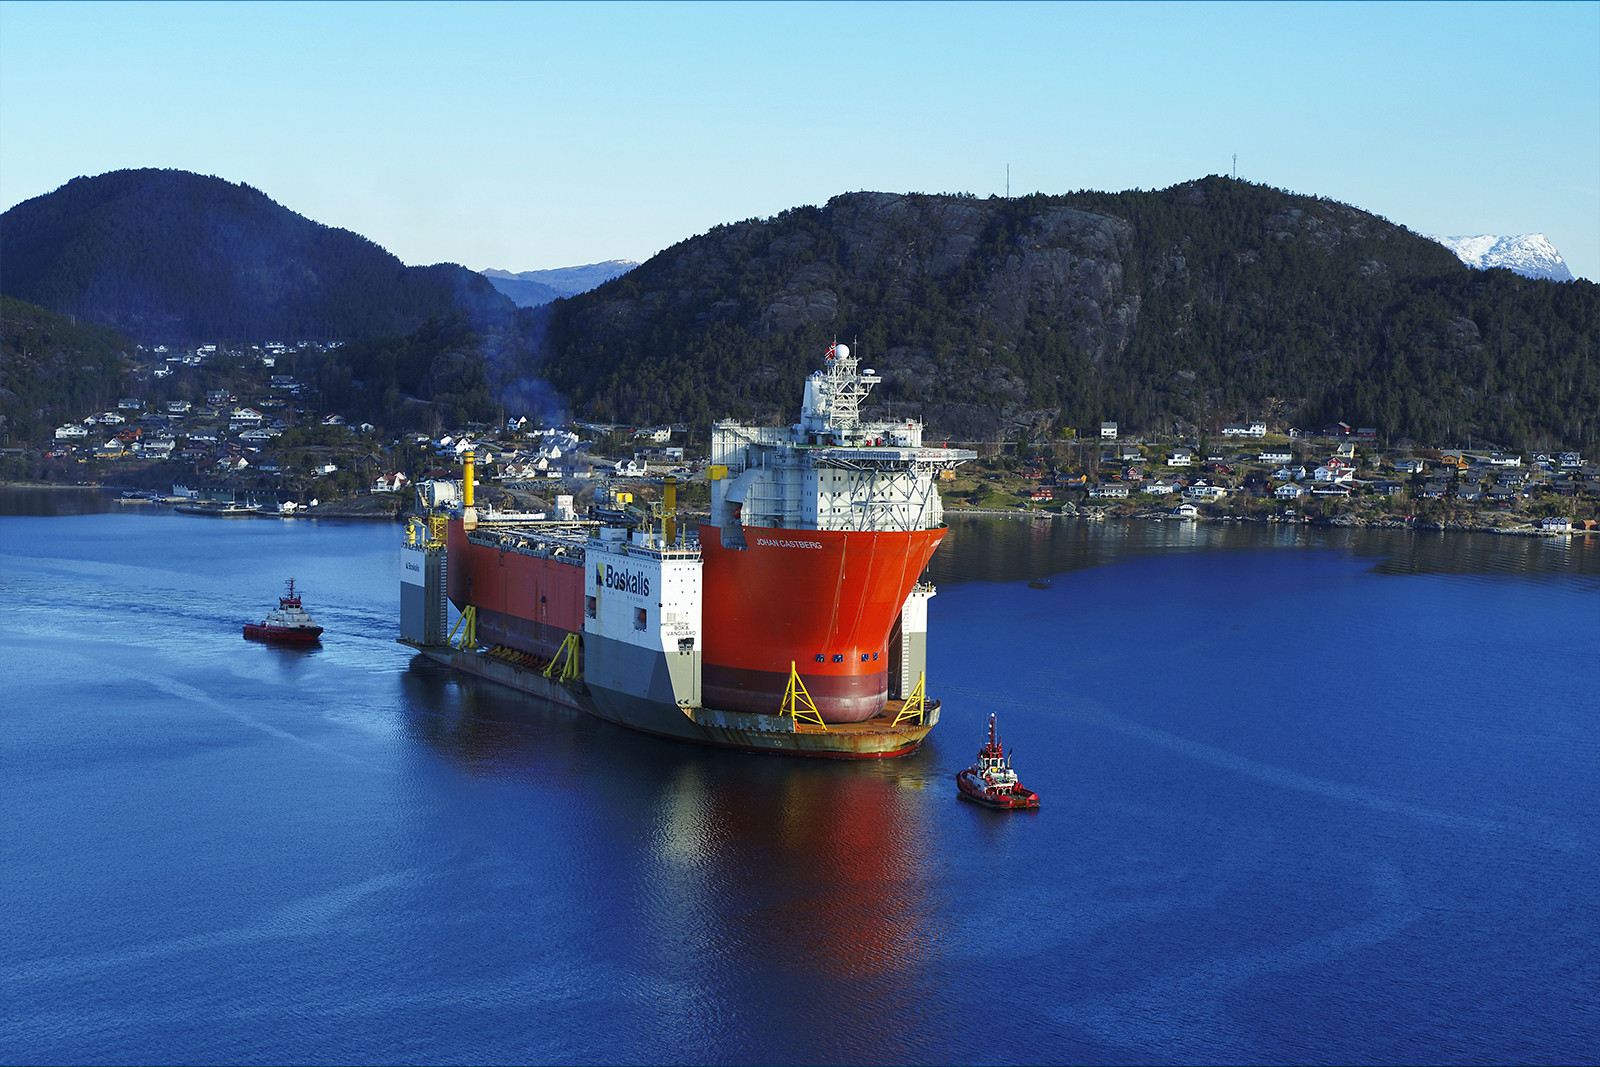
991, 781
287, 624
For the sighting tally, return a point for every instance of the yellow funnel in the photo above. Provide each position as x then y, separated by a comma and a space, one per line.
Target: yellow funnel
669, 510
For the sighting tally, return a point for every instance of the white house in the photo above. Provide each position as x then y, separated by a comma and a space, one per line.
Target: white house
129, 404
1276, 455
1504, 459
1556, 524
1108, 431
1161, 486
71, 432
1202, 491
390, 483
1245, 429
324, 469
1290, 491
1410, 466
1119, 491
1335, 471
1181, 457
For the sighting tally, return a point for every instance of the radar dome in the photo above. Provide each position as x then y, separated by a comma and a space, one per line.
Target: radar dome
841, 351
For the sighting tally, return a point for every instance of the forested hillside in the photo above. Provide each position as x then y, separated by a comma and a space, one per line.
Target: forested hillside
176, 258
1211, 301
1169, 311
53, 370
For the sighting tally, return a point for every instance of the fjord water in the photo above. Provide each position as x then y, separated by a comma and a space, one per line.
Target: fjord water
1309, 796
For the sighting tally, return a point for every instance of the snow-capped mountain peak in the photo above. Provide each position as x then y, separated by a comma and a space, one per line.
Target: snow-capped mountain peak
1530, 255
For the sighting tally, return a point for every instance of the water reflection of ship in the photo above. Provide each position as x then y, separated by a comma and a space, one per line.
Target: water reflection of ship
780, 876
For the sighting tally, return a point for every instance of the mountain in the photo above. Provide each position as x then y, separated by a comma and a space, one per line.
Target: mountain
532, 288
1530, 255
168, 256
1208, 302
524, 292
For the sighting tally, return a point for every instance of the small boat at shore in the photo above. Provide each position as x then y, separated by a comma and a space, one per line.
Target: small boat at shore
287, 624
220, 511
990, 781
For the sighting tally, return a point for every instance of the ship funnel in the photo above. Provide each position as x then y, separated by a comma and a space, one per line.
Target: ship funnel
469, 514
669, 511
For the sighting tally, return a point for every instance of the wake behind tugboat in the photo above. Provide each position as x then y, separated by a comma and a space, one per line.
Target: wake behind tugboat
990, 781
287, 624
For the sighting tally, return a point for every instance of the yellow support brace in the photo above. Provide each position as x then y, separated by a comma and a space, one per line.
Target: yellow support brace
467, 627
569, 669
915, 706
797, 702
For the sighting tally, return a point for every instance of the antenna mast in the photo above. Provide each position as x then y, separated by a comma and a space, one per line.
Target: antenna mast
1236, 166
1008, 181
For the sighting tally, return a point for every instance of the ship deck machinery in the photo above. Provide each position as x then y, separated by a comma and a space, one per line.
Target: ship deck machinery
795, 623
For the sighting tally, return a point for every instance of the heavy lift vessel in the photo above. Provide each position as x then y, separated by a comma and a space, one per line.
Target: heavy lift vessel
795, 622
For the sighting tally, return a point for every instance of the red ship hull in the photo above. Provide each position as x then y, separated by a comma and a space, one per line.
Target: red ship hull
973, 789
824, 600
529, 603
283, 635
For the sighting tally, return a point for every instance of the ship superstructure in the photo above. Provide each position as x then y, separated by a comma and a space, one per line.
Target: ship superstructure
796, 621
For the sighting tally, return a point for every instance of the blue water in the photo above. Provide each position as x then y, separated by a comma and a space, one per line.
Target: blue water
1307, 798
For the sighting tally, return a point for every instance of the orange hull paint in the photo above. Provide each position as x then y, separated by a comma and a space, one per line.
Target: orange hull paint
779, 602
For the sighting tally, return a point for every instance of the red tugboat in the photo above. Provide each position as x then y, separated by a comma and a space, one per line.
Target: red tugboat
991, 781
287, 624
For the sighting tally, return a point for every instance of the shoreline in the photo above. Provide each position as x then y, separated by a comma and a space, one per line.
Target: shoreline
386, 510
1523, 529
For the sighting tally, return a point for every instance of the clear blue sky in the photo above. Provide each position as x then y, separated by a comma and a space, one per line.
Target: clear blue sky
530, 136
